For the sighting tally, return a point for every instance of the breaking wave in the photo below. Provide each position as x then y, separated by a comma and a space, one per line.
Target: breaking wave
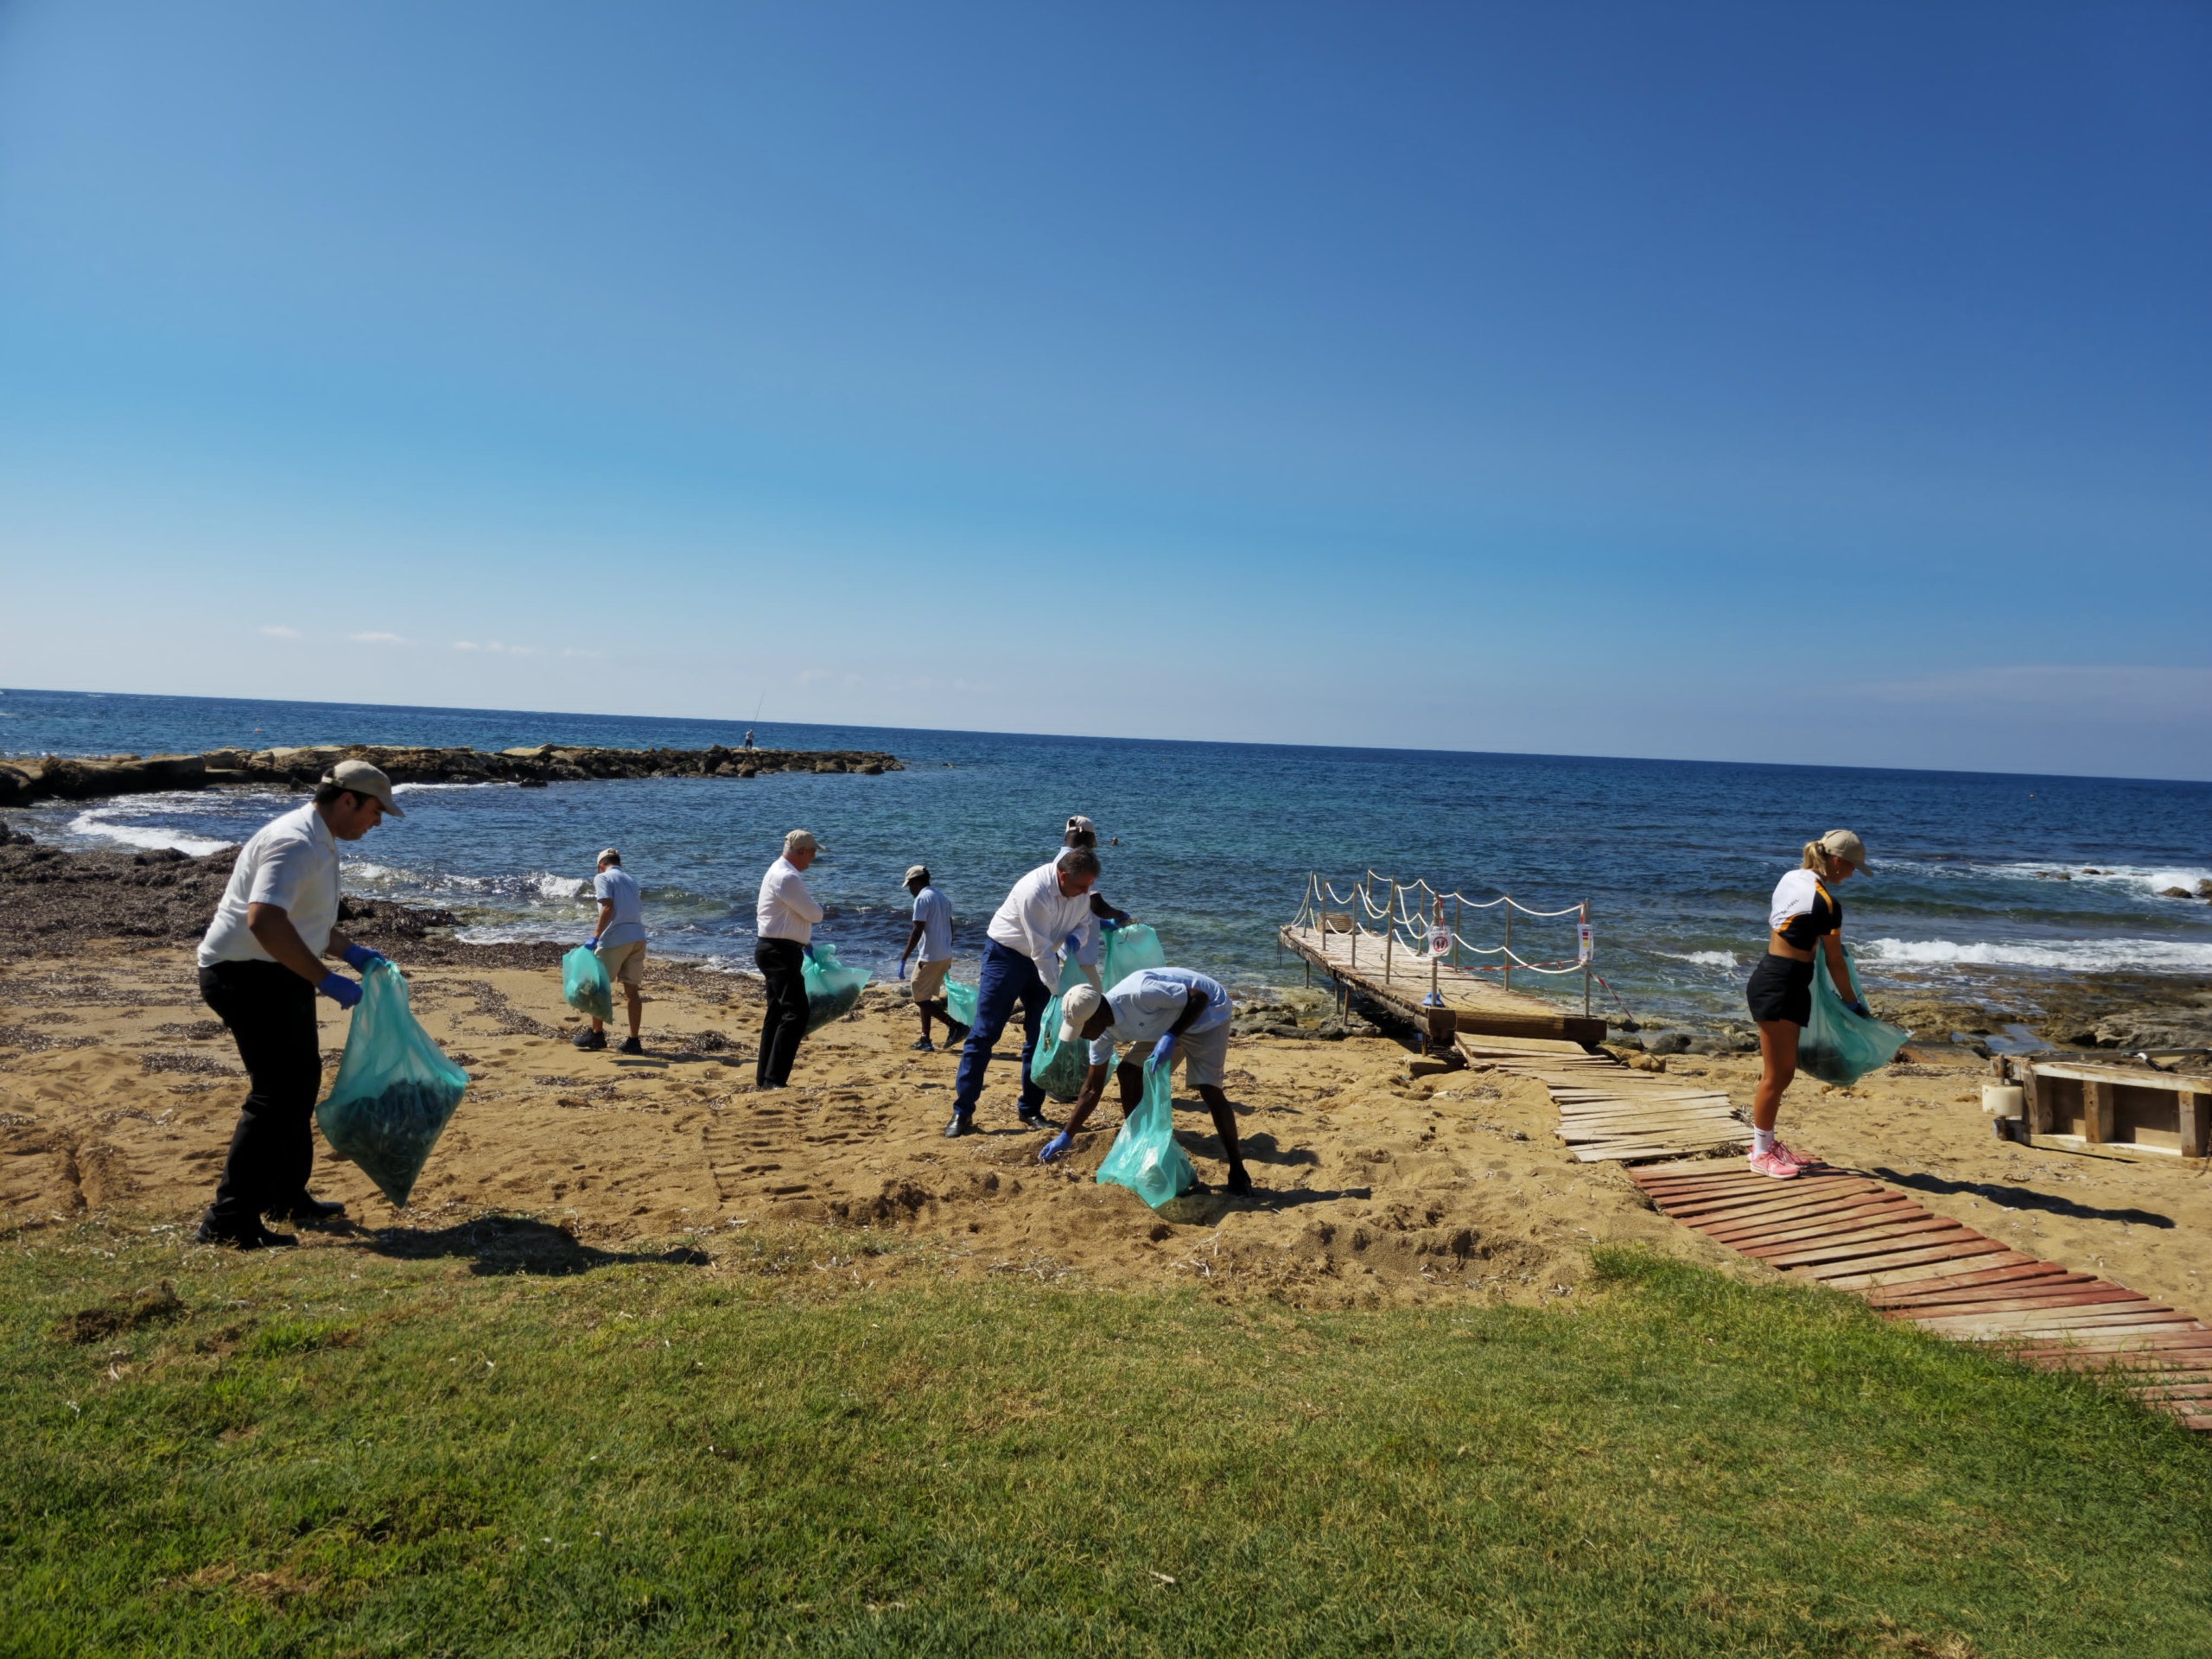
2063, 955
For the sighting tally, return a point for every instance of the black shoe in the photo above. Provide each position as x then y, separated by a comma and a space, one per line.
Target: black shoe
1240, 1182
1036, 1120
925, 1047
959, 1033
249, 1235
630, 1045
589, 1040
303, 1208
963, 1123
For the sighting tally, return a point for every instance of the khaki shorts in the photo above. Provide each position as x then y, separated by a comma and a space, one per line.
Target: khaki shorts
625, 963
929, 979
1203, 1055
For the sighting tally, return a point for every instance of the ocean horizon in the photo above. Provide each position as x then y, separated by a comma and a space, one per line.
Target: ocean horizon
1976, 873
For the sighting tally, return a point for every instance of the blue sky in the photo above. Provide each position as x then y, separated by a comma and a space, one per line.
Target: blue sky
1801, 383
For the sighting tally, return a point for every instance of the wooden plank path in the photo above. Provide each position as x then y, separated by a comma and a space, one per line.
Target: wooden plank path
1610, 1114
1850, 1233
1399, 979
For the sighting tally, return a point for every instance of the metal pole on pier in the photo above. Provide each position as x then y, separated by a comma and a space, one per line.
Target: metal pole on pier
1455, 930
1359, 917
1584, 943
1508, 941
1389, 931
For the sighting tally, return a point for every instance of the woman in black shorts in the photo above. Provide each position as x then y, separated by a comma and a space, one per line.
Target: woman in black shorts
1804, 913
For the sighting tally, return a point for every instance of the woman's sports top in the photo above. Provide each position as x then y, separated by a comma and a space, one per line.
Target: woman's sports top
1804, 909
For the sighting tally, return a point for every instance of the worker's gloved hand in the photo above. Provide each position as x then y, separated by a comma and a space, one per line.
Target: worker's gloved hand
1106, 924
340, 989
1859, 1008
1053, 1148
807, 951
902, 967
592, 944
358, 957
1162, 1052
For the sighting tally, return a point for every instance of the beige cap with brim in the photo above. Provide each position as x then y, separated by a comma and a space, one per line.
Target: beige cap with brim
1841, 843
1075, 1008
799, 840
365, 780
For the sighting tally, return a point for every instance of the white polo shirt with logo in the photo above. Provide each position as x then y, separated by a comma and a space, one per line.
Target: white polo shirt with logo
291, 862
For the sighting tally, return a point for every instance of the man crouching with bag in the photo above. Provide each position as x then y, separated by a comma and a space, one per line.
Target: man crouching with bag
260, 967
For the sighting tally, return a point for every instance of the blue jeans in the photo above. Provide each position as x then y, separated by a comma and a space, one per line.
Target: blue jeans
1008, 977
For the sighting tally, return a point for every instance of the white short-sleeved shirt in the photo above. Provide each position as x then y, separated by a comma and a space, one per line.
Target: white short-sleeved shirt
1147, 1004
291, 862
934, 912
620, 888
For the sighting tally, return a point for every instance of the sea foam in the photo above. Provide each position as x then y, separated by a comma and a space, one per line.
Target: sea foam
2062, 956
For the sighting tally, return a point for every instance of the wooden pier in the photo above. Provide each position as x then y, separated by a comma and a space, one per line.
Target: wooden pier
1400, 980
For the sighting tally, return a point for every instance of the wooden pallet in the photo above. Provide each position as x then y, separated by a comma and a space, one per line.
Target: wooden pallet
1608, 1113
1850, 1233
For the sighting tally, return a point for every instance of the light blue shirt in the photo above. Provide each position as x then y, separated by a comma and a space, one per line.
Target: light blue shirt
619, 886
1149, 1001
934, 912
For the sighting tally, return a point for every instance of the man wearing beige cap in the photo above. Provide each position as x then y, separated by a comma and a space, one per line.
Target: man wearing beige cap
619, 943
784, 921
260, 967
932, 930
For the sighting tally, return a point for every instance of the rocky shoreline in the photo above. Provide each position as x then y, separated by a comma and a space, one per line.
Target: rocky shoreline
24, 780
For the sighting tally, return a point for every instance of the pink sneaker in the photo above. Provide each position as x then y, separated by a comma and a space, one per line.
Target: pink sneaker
1775, 1163
1796, 1158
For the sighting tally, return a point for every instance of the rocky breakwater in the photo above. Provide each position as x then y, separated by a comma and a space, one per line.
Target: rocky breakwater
78, 777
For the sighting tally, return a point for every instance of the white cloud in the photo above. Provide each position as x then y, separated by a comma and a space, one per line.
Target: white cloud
466, 645
376, 638
278, 631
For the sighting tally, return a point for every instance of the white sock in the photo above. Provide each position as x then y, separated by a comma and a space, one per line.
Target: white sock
1762, 1143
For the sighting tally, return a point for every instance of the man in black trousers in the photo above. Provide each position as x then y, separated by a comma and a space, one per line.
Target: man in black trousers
260, 968
784, 922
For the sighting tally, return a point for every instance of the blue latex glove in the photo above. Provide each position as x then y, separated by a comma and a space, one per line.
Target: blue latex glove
1073, 940
807, 951
340, 989
1106, 924
593, 943
1053, 1148
1859, 1008
1162, 1052
358, 957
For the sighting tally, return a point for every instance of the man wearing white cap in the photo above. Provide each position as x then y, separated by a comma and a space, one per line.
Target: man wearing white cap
1175, 1013
260, 968
619, 945
932, 930
784, 919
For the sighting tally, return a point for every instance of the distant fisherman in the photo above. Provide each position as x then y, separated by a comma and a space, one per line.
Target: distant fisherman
619, 943
1048, 910
260, 967
784, 920
932, 930
1175, 1013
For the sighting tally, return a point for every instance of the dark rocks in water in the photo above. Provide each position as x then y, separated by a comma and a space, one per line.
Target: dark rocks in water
1667, 1042
78, 777
389, 1136
2175, 893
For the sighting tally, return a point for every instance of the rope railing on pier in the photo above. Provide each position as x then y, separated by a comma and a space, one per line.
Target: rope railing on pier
1410, 913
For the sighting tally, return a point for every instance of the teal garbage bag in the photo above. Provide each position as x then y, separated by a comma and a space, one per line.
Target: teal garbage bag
584, 984
831, 988
395, 1089
1059, 1068
1145, 1157
1839, 1047
1128, 951
960, 1002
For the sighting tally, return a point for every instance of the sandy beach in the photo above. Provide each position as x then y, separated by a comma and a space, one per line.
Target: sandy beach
118, 1092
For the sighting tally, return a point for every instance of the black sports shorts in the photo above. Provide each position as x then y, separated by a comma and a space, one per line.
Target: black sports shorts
1781, 988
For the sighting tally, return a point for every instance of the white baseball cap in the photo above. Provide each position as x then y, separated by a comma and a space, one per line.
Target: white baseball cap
1075, 1008
365, 781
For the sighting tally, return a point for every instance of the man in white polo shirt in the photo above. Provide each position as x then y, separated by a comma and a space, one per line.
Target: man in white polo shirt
1047, 912
932, 932
260, 968
1166, 1014
621, 945
783, 921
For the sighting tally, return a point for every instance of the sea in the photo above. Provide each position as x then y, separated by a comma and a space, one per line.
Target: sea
1976, 876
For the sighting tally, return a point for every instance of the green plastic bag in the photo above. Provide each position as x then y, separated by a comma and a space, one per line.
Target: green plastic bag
1128, 951
1145, 1157
1838, 1046
395, 1091
584, 984
960, 1002
831, 988
1059, 1068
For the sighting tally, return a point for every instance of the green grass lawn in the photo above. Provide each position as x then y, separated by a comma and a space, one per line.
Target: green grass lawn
344, 1451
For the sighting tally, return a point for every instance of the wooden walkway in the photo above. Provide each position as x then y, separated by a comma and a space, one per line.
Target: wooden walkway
1608, 1113
1399, 980
1849, 1233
